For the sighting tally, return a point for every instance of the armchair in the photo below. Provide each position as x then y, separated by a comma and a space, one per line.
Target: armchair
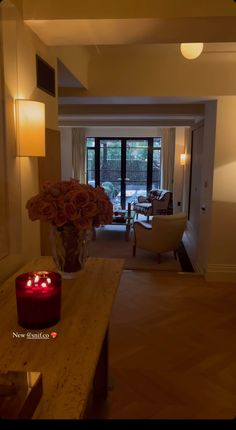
157, 202
163, 235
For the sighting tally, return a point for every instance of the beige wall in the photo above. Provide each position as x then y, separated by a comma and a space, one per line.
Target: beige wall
222, 249
214, 253
76, 59
28, 44
19, 48
13, 164
197, 245
158, 70
206, 184
3, 193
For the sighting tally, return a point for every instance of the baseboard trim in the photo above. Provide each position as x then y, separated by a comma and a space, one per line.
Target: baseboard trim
184, 259
221, 272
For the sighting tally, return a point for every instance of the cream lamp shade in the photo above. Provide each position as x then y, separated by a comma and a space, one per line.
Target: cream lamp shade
30, 128
191, 50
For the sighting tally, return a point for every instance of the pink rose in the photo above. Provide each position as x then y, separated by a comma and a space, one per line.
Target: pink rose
48, 211
83, 223
89, 210
70, 211
70, 202
55, 191
78, 198
60, 219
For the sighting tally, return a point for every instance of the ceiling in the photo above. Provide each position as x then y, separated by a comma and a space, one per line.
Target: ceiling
130, 111
134, 31
88, 111
57, 28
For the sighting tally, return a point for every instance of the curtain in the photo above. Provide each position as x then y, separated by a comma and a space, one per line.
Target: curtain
79, 154
168, 158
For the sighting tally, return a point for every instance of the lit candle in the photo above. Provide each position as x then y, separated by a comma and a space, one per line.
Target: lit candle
38, 297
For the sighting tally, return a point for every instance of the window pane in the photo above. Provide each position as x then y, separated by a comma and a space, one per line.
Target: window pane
136, 161
136, 164
110, 168
156, 174
136, 169
157, 142
90, 142
110, 160
91, 159
91, 167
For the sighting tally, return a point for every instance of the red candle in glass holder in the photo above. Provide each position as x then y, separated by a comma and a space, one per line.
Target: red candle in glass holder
38, 298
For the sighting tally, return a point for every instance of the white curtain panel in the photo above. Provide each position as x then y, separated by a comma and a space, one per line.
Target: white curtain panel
168, 158
79, 154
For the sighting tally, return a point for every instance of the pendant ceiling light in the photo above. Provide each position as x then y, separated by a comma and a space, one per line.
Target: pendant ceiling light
191, 50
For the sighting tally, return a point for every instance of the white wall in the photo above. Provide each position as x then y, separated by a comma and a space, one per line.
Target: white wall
123, 132
197, 243
206, 183
222, 240
12, 180
216, 250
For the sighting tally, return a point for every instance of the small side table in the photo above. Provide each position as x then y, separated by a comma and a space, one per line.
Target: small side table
127, 217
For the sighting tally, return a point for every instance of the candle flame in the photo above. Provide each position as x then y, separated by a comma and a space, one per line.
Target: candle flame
29, 283
49, 280
43, 284
36, 279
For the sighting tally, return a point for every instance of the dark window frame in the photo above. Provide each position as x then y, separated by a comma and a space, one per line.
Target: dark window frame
123, 140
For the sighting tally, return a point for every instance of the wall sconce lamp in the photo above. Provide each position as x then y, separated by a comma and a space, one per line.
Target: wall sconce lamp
182, 159
191, 50
30, 128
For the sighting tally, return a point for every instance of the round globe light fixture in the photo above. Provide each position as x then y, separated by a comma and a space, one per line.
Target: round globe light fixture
191, 50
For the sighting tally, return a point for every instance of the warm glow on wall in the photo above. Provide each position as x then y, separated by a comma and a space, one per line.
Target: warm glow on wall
191, 50
30, 128
182, 159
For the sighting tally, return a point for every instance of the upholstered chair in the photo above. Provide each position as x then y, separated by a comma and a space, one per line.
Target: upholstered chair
158, 202
163, 235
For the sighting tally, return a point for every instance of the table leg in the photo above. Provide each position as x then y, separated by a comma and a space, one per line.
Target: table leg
127, 233
100, 382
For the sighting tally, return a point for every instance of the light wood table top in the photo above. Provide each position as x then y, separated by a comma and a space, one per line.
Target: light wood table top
67, 362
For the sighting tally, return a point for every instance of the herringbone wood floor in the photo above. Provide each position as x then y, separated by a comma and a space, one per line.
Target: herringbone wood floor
172, 348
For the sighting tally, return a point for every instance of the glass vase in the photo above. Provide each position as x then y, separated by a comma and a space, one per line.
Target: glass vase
69, 249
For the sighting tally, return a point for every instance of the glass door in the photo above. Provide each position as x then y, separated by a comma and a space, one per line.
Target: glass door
125, 167
110, 164
136, 169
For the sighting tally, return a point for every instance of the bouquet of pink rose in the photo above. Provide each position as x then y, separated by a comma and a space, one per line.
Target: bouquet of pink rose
70, 202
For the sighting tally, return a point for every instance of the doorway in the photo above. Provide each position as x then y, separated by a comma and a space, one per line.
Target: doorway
195, 186
125, 167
